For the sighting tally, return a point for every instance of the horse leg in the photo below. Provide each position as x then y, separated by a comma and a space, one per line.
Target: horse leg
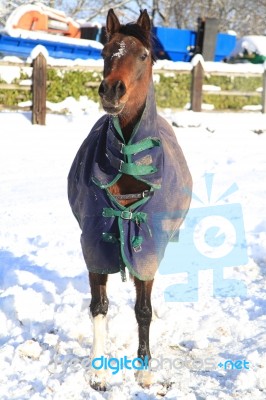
98, 309
143, 311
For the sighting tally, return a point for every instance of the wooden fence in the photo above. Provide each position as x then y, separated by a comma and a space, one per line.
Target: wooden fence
39, 86
197, 88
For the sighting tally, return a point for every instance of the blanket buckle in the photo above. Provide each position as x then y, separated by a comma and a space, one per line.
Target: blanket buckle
125, 214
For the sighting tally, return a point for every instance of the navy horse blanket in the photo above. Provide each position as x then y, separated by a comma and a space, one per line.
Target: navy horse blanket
113, 236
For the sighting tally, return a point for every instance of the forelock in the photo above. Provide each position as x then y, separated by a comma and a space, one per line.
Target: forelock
145, 37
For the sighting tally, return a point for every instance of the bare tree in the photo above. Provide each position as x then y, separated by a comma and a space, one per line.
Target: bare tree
243, 16
7, 6
92, 10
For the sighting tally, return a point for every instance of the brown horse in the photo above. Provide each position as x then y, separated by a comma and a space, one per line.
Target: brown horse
129, 185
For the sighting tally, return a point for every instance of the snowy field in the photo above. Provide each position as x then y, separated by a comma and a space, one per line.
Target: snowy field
45, 327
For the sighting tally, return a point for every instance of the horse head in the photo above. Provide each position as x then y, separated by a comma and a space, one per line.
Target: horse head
128, 60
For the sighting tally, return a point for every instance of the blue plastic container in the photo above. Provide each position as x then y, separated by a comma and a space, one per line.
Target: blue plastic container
178, 44
22, 48
171, 44
225, 44
174, 44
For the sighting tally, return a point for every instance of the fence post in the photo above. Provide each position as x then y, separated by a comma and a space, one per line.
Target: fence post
39, 90
196, 83
264, 91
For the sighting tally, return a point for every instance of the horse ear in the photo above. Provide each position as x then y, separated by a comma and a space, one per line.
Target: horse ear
112, 24
144, 20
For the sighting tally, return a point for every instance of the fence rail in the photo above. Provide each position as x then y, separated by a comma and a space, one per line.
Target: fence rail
231, 93
197, 88
13, 86
39, 84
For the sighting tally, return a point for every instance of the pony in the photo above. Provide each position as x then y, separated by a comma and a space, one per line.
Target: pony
129, 186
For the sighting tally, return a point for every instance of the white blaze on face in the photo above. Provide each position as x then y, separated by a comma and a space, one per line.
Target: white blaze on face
147, 52
121, 51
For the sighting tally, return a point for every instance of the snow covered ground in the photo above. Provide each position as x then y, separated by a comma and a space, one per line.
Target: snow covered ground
45, 328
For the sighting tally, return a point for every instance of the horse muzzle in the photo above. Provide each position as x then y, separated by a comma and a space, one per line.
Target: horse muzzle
111, 94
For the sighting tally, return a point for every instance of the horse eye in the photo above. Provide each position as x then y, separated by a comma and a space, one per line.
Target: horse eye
143, 56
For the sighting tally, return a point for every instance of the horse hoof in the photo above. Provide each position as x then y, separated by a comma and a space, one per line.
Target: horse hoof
144, 378
98, 382
99, 386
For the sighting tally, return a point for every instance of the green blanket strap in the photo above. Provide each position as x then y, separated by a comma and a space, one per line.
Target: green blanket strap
144, 144
134, 169
127, 167
138, 217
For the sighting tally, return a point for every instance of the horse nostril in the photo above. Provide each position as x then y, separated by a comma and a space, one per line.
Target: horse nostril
113, 91
120, 89
102, 88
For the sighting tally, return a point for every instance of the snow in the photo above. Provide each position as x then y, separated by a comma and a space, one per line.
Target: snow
212, 88
45, 327
210, 66
167, 65
121, 50
197, 59
252, 44
19, 12
52, 38
39, 49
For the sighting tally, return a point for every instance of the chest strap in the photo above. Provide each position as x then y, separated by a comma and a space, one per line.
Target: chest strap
132, 196
128, 167
128, 149
138, 217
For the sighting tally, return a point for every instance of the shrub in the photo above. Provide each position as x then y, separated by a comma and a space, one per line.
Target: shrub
172, 91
